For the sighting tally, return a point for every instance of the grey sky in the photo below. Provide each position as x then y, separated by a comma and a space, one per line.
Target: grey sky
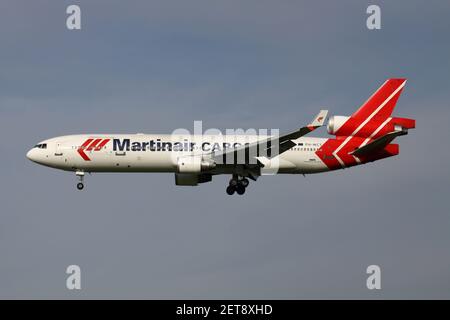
154, 66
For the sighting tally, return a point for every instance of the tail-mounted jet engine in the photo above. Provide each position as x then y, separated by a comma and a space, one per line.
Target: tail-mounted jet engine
373, 128
335, 122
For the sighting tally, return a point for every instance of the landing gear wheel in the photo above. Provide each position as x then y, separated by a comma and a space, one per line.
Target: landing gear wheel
245, 182
230, 190
80, 175
240, 189
233, 182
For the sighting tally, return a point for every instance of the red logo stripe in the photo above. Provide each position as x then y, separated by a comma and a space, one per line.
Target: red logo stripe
82, 147
101, 145
93, 144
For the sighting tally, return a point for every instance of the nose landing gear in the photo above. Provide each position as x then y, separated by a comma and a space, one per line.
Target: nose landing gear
80, 175
237, 185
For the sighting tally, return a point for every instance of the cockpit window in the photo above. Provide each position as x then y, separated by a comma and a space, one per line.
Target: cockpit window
41, 146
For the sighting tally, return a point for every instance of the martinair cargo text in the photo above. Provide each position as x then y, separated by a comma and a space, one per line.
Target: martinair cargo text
363, 137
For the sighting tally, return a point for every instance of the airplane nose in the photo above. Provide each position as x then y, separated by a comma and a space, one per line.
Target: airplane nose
31, 155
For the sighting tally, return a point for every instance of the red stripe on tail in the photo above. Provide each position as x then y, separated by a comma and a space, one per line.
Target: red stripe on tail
387, 95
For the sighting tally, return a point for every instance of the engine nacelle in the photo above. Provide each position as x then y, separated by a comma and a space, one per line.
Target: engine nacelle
335, 122
375, 125
190, 179
194, 164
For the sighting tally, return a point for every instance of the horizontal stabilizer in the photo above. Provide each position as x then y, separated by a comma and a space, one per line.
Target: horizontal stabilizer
378, 144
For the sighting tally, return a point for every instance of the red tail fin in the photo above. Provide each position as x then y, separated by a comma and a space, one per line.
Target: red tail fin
374, 112
381, 104
370, 130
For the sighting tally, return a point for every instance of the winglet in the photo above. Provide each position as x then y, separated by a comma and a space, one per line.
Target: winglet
319, 120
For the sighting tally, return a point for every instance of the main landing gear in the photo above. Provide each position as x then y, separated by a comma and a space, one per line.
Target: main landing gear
80, 175
237, 185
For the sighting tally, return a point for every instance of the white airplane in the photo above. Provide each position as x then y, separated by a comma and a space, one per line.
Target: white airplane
363, 137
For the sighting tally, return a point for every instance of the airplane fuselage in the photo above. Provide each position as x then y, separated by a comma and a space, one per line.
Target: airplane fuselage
159, 153
363, 137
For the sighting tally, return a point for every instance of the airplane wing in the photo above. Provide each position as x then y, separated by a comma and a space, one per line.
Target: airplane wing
268, 147
378, 144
